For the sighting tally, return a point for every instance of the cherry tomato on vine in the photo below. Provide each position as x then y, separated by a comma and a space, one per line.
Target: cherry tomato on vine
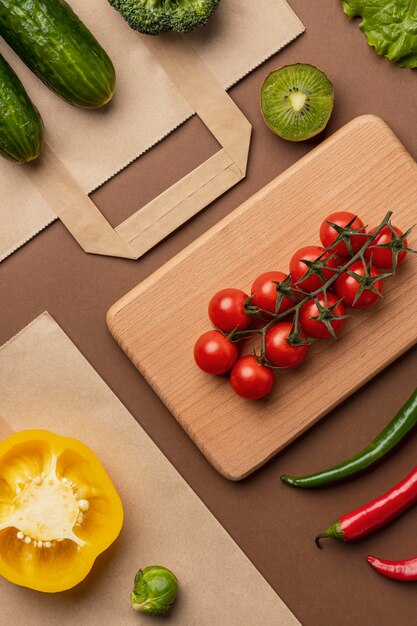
251, 380
328, 308
214, 353
341, 261
264, 292
278, 351
227, 310
382, 257
311, 254
347, 286
329, 234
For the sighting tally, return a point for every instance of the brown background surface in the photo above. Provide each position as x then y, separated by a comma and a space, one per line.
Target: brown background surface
273, 524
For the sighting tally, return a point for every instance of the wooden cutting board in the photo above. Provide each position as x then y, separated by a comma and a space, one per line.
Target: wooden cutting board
361, 168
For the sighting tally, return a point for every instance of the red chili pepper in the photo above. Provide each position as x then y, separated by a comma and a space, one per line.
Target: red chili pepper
398, 570
375, 514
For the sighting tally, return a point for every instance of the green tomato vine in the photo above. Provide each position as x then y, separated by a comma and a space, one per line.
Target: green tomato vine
326, 315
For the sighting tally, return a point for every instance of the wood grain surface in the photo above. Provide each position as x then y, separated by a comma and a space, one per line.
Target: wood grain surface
362, 168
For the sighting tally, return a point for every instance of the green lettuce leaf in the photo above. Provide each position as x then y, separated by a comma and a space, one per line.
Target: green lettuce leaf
390, 26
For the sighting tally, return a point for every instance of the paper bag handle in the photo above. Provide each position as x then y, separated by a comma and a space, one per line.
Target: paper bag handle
160, 217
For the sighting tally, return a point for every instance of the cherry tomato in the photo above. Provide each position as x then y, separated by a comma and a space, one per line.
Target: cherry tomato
318, 328
264, 292
214, 353
382, 257
251, 380
277, 349
347, 286
298, 268
341, 261
328, 234
227, 310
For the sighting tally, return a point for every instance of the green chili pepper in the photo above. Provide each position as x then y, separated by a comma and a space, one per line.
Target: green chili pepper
403, 422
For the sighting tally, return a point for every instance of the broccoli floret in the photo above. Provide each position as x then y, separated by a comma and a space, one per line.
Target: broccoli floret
156, 16
191, 14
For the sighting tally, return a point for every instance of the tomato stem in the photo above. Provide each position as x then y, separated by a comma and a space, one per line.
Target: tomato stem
275, 317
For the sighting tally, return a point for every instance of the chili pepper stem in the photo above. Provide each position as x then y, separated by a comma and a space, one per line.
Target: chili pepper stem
321, 536
333, 532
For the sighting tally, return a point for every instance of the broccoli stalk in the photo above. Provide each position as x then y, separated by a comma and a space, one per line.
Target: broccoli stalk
156, 16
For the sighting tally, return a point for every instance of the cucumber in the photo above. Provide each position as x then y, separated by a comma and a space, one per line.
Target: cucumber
21, 127
59, 48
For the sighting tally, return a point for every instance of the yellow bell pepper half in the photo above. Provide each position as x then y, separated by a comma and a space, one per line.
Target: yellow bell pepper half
58, 510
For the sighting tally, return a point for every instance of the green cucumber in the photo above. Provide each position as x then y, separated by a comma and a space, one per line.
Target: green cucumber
21, 128
59, 48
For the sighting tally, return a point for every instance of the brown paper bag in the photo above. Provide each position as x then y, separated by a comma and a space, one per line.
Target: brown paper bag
94, 145
46, 383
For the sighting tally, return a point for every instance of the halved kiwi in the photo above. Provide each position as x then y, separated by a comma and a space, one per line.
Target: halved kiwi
297, 101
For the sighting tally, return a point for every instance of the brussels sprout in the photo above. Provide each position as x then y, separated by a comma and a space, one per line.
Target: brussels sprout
154, 590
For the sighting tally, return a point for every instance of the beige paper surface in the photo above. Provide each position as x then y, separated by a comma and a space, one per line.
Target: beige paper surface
45, 382
94, 145
151, 223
